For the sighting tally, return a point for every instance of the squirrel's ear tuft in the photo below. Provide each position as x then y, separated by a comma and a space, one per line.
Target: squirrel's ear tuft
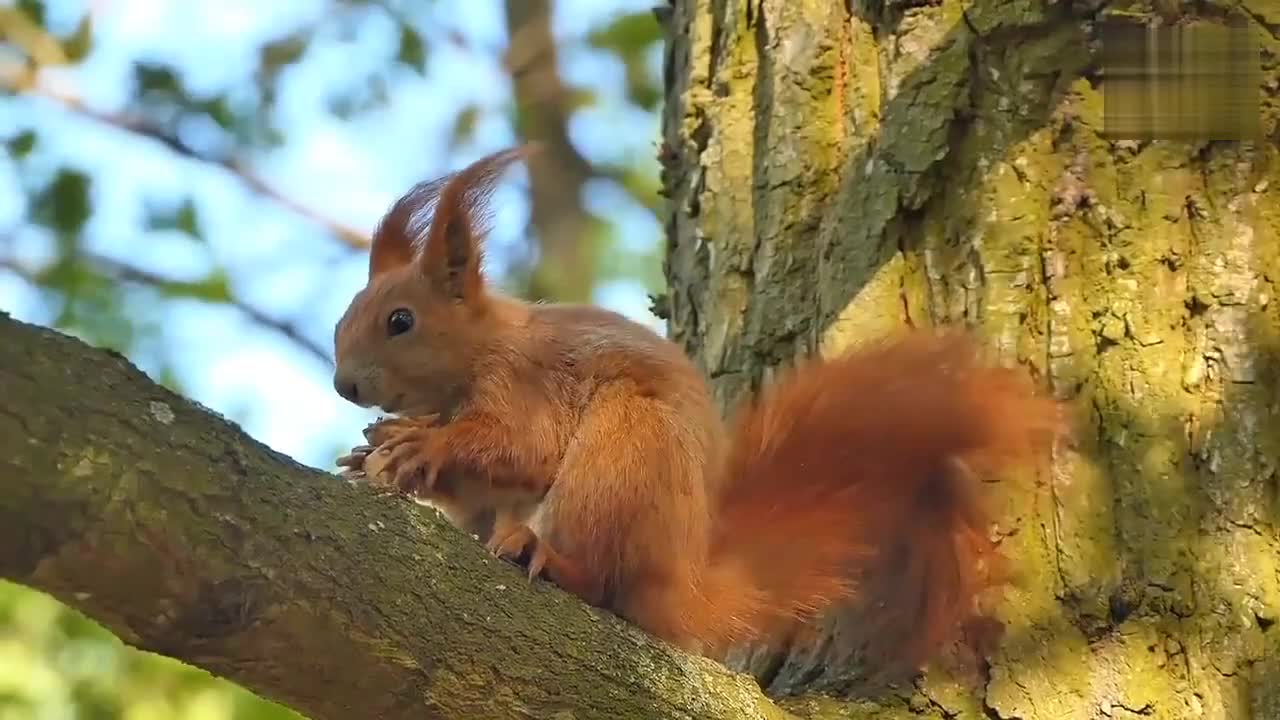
452, 253
402, 228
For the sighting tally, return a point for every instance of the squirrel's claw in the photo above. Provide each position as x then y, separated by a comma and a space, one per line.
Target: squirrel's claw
515, 543
414, 459
354, 460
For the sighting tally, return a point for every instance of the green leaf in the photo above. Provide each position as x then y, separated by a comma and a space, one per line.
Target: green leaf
579, 98
641, 185
645, 95
63, 205
641, 89
168, 378
33, 9
187, 221
92, 304
219, 110
159, 79
374, 93
214, 287
464, 124
77, 46
628, 35
412, 51
284, 51
342, 107
21, 145
184, 218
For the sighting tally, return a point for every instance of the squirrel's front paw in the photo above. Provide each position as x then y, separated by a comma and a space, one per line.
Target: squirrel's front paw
518, 540
411, 459
353, 463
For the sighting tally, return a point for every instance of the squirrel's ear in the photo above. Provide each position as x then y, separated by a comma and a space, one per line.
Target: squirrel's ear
452, 253
400, 229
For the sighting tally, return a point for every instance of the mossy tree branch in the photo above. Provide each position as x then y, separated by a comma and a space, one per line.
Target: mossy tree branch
187, 538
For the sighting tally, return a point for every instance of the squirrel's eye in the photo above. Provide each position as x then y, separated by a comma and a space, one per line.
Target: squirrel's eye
399, 321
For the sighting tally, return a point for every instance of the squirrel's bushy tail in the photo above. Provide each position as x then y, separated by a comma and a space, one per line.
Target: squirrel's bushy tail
857, 479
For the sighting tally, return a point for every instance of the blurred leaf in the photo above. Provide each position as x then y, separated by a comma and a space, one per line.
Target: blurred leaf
80, 43
342, 107
168, 379
214, 287
579, 98
641, 89
642, 186
219, 110
464, 124
270, 136
371, 95
79, 661
95, 702
21, 145
33, 9
63, 205
412, 51
629, 35
273, 58
92, 306
184, 218
15, 705
158, 79
285, 51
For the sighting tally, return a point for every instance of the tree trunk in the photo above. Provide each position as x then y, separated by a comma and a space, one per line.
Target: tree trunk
187, 538
838, 172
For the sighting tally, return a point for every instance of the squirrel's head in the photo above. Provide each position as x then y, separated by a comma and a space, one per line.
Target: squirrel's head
410, 340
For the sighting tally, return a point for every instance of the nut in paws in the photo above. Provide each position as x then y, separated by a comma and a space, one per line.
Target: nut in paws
386, 429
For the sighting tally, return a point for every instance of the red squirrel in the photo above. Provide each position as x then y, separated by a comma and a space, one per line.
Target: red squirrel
598, 445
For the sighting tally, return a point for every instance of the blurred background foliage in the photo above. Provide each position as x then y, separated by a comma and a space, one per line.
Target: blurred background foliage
192, 183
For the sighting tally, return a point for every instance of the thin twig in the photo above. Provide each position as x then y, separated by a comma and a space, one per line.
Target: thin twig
141, 127
128, 273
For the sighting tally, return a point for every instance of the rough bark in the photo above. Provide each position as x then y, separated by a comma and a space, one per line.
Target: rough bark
838, 170
187, 538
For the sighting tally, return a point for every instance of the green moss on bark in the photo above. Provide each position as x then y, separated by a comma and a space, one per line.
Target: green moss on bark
186, 538
972, 184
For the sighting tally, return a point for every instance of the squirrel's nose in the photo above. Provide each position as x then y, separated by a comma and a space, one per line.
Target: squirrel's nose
347, 388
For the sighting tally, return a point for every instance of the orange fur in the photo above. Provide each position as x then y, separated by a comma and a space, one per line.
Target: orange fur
598, 446
855, 478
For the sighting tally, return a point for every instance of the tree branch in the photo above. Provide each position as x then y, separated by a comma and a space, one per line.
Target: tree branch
288, 330
187, 538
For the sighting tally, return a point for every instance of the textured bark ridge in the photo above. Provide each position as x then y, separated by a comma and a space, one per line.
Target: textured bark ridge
187, 538
837, 170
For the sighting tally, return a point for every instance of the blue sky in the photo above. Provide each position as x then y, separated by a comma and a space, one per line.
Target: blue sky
345, 171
